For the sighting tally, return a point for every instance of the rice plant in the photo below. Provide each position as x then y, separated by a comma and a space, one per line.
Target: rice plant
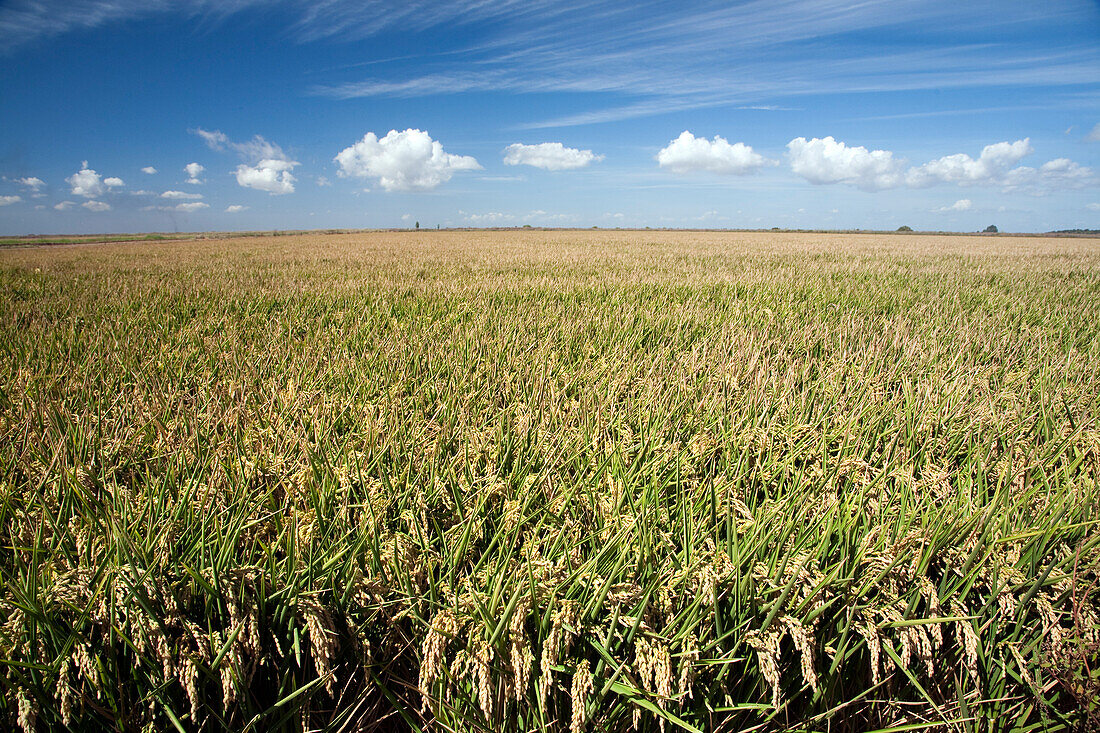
554, 481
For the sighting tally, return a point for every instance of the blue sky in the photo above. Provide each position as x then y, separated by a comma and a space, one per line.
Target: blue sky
359, 113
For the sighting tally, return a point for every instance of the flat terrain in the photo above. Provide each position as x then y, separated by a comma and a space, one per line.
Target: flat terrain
565, 480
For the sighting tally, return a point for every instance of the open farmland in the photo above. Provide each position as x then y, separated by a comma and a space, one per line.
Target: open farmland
551, 480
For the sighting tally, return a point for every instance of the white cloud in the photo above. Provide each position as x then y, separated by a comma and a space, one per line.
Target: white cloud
142, 192
992, 166
31, 182
149, 169
688, 153
549, 156
1094, 134
270, 174
64, 205
1066, 173
96, 206
113, 182
1059, 174
491, 217
499, 218
714, 214
268, 168
193, 170
180, 195
825, 160
258, 148
665, 56
187, 208
960, 205
322, 181
215, 140
234, 209
9, 200
86, 182
402, 161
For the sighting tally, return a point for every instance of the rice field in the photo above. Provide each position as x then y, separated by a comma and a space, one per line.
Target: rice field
551, 480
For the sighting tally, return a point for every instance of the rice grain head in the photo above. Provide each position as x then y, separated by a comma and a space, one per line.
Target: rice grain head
804, 643
580, 692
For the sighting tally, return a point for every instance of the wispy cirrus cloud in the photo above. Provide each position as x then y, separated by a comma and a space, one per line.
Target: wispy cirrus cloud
186, 208
668, 57
23, 22
677, 58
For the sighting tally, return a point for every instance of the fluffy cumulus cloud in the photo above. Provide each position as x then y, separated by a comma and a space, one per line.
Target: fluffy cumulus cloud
267, 168
32, 182
1065, 173
193, 170
113, 182
960, 205
1054, 175
549, 156
96, 206
9, 200
180, 195
235, 209
826, 160
150, 170
64, 205
270, 174
1094, 134
86, 182
402, 161
687, 154
991, 166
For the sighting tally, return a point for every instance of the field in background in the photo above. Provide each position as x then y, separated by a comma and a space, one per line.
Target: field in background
562, 480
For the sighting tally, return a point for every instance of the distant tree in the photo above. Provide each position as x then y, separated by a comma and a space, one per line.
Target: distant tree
905, 229
417, 225
991, 229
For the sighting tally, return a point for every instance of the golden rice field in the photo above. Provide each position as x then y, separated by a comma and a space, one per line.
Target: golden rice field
563, 481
